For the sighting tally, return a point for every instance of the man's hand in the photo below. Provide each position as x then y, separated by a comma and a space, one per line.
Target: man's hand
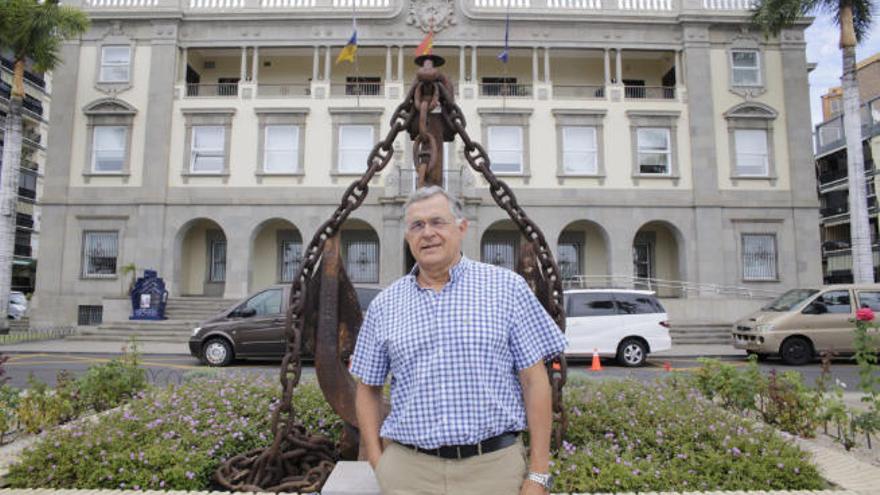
529, 487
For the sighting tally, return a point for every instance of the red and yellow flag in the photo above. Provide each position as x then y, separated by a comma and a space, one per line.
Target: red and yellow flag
426, 46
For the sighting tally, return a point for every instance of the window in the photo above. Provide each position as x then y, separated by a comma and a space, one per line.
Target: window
636, 304
579, 154
869, 300
591, 304
836, 106
355, 144
115, 63
759, 257
100, 251
654, 151
362, 261
751, 152
218, 262
835, 301
281, 153
208, 152
108, 148
89, 315
265, 303
291, 257
745, 67
506, 149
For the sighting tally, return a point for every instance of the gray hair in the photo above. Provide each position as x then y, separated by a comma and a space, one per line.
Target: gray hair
424, 193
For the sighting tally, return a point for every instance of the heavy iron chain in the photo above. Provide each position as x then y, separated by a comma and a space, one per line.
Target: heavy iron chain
306, 464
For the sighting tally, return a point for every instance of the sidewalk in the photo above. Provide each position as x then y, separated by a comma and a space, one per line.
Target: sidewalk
62, 346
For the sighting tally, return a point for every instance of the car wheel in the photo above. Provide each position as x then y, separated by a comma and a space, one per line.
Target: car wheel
796, 351
632, 353
217, 352
761, 356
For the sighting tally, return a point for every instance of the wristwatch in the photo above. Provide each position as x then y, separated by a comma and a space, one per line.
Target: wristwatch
543, 479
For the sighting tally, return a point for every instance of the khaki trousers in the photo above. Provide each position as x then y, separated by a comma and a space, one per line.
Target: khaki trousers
403, 471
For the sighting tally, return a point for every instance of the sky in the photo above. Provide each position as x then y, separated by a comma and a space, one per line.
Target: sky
822, 48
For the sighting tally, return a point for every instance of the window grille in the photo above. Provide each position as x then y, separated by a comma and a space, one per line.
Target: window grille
100, 250
759, 256
291, 257
218, 261
89, 315
500, 252
362, 261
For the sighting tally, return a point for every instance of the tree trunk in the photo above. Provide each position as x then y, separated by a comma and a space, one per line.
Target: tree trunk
860, 227
9, 171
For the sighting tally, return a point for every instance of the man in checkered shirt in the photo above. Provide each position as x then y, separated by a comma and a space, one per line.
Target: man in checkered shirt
465, 344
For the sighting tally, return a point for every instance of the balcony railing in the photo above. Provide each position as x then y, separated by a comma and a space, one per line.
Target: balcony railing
841, 260
579, 92
26, 193
23, 251
29, 76
221, 90
24, 220
505, 89
296, 90
830, 134
649, 92
356, 89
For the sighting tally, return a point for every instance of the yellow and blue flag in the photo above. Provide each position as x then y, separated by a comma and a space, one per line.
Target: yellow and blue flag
504, 56
350, 49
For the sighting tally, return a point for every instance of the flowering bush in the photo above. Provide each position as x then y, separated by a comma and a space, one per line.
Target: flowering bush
865, 314
107, 385
172, 438
626, 436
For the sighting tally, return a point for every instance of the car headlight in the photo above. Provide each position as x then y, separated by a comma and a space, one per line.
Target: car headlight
765, 327
196, 330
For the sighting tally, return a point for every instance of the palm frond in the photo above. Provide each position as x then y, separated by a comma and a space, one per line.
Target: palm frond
772, 16
35, 30
863, 11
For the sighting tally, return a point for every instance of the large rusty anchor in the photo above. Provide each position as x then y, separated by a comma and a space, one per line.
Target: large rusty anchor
324, 316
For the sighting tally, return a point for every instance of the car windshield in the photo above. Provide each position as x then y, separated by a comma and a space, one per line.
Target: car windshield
789, 300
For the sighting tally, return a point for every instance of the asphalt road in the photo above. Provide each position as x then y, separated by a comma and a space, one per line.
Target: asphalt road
165, 369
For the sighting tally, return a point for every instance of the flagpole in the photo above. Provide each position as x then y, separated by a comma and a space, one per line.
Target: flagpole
507, 59
357, 72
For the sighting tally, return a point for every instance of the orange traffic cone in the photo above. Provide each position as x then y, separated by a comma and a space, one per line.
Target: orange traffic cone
556, 367
597, 363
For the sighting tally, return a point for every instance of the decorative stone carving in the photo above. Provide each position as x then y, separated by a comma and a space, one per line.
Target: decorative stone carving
431, 14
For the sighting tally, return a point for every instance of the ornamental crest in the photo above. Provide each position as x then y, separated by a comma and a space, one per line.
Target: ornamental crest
431, 14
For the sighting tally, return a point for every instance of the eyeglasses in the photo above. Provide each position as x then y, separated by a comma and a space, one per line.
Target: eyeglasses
436, 223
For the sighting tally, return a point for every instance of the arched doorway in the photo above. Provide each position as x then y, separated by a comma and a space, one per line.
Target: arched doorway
657, 262
202, 260
276, 253
582, 253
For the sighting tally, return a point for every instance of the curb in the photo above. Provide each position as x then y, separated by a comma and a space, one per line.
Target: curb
49, 491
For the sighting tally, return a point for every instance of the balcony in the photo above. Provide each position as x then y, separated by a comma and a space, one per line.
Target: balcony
498, 90
24, 220
31, 77
839, 262
830, 134
23, 251
284, 90
222, 90
356, 89
579, 91
649, 92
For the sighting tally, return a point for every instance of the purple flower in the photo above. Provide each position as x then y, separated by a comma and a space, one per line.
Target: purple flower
780, 465
190, 474
736, 452
596, 470
636, 472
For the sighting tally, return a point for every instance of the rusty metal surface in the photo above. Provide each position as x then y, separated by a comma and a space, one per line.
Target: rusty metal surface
296, 460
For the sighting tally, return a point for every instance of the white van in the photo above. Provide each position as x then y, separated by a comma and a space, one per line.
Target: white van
623, 324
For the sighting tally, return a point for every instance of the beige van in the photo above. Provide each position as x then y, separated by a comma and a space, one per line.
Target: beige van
804, 322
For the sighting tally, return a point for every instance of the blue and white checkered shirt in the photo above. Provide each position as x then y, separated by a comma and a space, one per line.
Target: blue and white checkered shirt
454, 354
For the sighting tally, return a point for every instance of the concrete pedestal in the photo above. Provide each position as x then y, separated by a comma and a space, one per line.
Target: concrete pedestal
351, 478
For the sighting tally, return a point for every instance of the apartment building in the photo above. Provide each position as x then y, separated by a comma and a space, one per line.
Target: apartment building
868, 77
35, 125
659, 143
833, 189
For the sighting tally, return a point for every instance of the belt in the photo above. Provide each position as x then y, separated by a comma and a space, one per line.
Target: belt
464, 451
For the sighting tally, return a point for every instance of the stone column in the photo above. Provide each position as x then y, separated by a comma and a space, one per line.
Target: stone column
461, 64
400, 63
607, 67
547, 64
618, 69
238, 259
185, 61
327, 64
388, 64
255, 66
316, 62
474, 77
243, 73
534, 65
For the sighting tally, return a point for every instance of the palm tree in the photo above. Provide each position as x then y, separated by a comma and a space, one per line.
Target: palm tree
32, 30
854, 19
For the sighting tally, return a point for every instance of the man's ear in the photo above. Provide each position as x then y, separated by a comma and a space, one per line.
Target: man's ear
463, 225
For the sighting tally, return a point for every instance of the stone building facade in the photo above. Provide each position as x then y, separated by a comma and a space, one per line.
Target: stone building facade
658, 143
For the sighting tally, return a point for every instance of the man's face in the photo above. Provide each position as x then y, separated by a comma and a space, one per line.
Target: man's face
432, 233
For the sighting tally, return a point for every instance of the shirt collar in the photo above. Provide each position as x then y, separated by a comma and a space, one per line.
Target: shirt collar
455, 273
